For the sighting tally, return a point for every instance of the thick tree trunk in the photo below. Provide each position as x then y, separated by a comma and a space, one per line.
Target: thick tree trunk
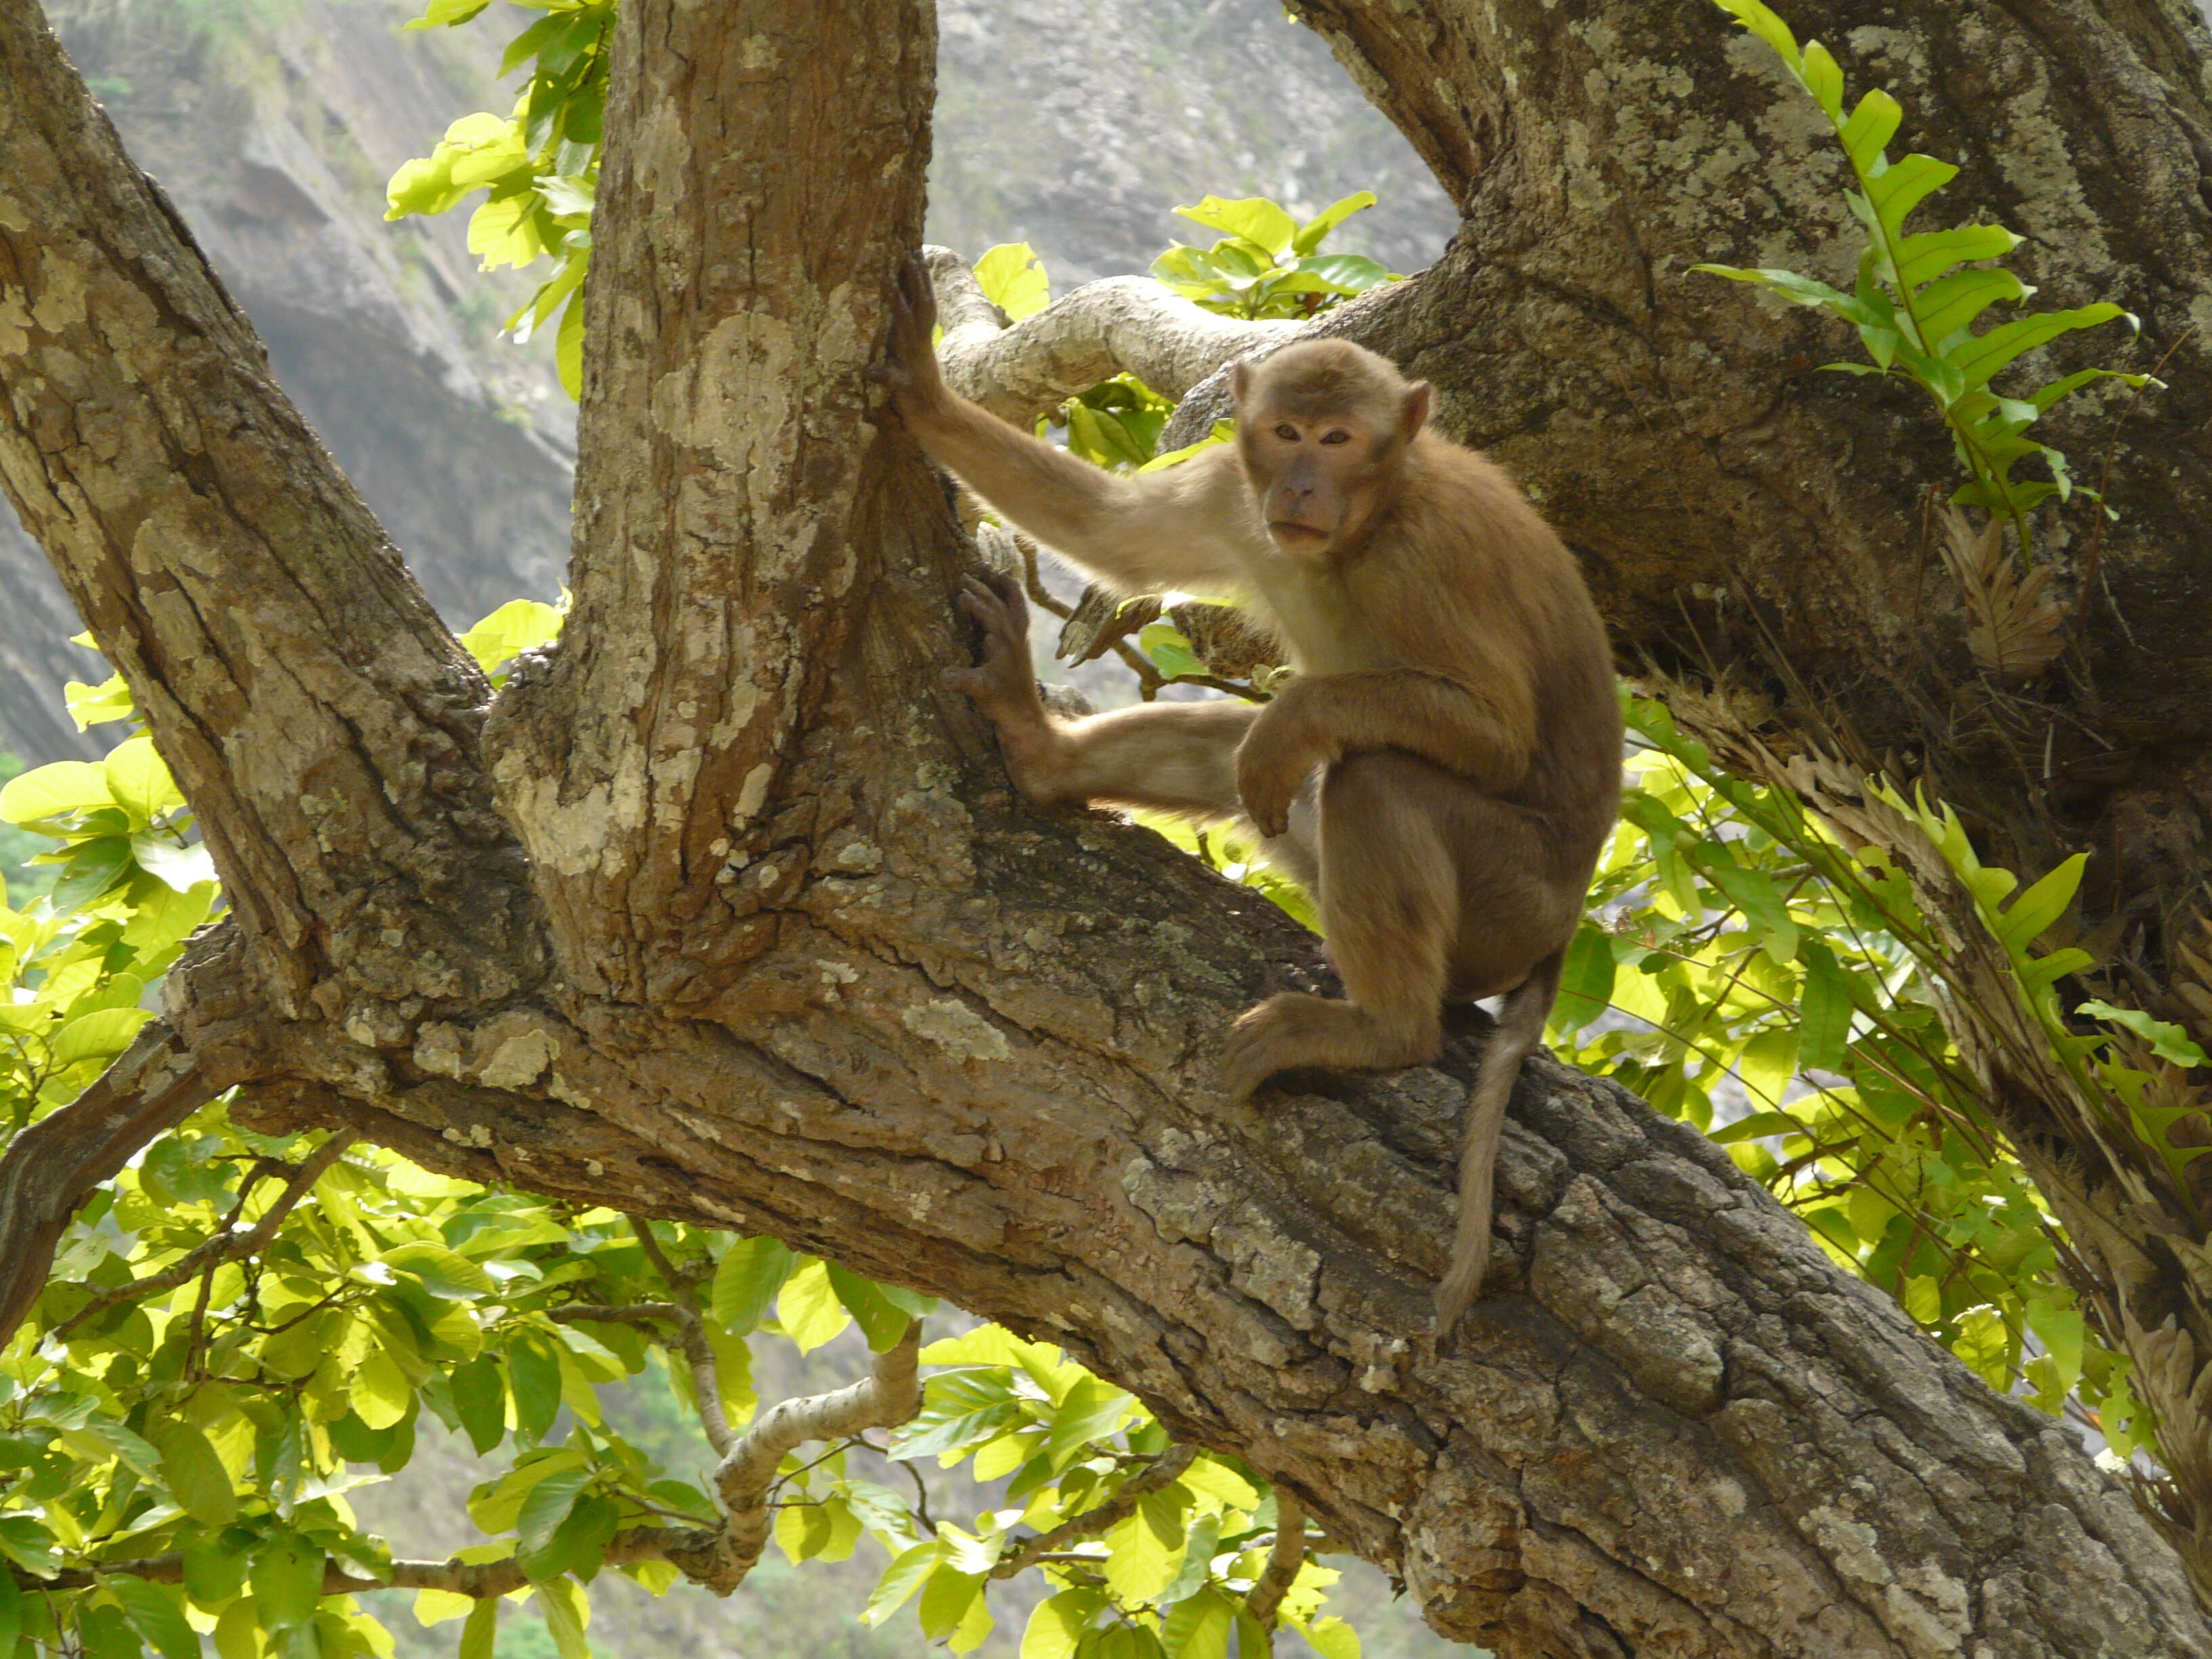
756, 936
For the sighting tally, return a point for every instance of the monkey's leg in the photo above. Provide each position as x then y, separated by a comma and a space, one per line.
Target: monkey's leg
1167, 756
1390, 902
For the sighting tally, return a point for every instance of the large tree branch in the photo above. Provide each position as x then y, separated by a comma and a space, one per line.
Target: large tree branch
319, 717
1121, 324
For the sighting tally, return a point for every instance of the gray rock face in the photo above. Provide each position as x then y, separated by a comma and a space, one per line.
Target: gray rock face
274, 128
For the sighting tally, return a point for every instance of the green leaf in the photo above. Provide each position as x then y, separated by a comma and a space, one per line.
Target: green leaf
156, 1614
1798, 290
945, 1600
2063, 1333
880, 1321
194, 1474
899, 1581
808, 1308
534, 1374
746, 1280
547, 1507
1146, 1550
1921, 258
479, 1391
1333, 1638
1058, 1624
1254, 218
1758, 1126
1901, 187
1871, 126
1989, 353
566, 1613
138, 782
2168, 1042
11, 1613
1012, 277
1951, 303
1311, 234
1197, 1627
1092, 1409
1824, 1011
26, 1542
1586, 980
2024, 921
55, 791
286, 1576
215, 1569
479, 1637
519, 625
1164, 643
96, 705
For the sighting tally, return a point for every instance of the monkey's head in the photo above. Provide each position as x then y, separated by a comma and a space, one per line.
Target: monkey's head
1323, 426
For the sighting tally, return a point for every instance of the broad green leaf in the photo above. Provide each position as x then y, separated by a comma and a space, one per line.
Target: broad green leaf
55, 791
1311, 234
2063, 1333
1756, 1126
100, 1035
138, 782
945, 1600
194, 1474
1825, 1012
881, 1322
1012, 277
1093, 1409
1332, 1639
1921, 258
546, 1506
1586, 980
1146, 1550
746, 1280
534, 1375
11, 1613
27, 1542
444, 1273
1170, 651
480, 1636
1059, 1622
566, 1613
96, 705
808, 1308
287, 1575
899, 1581
479, 1389
1254, 218
157, 1614
517, 626
435, 1607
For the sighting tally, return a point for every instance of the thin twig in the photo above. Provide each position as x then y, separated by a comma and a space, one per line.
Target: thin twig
225, 1245
698, 1352
1165, 1471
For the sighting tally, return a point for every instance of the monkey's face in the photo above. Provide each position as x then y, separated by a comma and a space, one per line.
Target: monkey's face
1324, 461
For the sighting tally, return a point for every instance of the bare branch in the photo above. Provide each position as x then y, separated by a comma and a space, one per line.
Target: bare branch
890, 1396
225, 1245
698, 1352
1283, 1560
1165, 1471
1118, 325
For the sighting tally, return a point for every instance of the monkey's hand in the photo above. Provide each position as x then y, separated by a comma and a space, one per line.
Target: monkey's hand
910, 371
1278, 755
1003, 683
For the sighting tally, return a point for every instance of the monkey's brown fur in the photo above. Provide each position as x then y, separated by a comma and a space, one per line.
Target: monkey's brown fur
1443, 768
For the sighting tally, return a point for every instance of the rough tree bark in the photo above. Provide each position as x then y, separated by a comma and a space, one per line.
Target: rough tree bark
726, 913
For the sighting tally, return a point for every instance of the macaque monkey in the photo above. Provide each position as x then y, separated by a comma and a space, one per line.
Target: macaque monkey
1442, 769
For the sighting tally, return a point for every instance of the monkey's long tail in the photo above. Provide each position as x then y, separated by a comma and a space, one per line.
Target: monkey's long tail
1520, 1025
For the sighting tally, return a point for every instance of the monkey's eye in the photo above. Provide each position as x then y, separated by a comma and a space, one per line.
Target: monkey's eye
1287, 433
1339, 436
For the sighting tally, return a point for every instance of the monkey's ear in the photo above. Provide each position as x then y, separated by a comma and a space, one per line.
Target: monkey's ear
1413, 413
1240, 380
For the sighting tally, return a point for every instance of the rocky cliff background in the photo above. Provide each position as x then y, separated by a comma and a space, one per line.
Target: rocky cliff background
275, 124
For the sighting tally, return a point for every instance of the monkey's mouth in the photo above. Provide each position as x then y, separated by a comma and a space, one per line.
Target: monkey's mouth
1284, 530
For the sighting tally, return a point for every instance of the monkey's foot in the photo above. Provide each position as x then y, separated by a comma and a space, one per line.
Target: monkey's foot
1294, 1030
1003, 683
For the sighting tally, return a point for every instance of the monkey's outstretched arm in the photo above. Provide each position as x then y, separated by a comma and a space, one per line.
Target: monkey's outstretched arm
1486, 732
1142, 535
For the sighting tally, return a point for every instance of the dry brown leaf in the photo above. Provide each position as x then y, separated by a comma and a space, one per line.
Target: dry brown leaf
2012, 629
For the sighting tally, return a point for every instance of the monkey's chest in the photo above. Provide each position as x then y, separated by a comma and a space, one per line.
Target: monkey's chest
1327, 632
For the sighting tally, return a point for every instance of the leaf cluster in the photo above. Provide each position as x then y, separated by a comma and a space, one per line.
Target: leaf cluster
1268, 264
1918, 294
